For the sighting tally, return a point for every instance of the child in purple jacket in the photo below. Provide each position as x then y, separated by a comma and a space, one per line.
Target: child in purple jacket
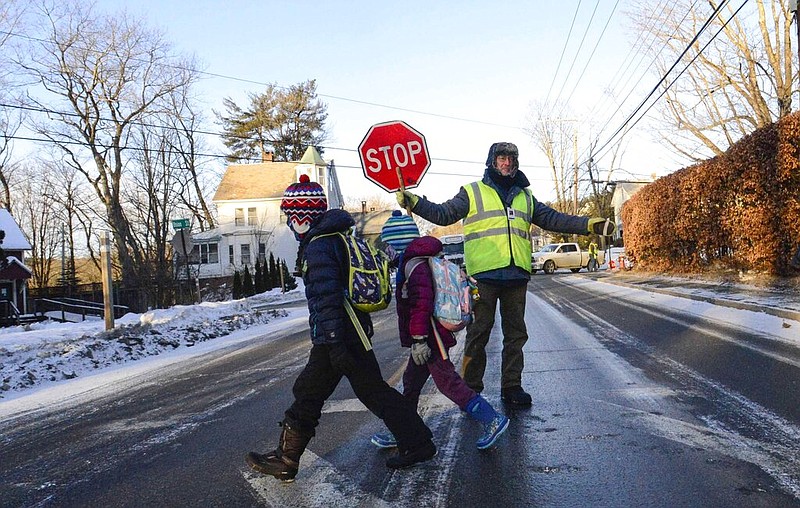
415, 300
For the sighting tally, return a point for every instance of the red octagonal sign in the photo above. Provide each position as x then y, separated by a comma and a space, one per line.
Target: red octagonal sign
392, 152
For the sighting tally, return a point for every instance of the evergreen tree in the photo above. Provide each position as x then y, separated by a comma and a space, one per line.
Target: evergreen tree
289, 282
275, 275
267, 276
259, 279
280, 120
237, 285
247, 283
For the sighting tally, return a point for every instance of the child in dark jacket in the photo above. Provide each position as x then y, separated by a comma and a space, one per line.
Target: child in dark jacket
415, 302
336, 349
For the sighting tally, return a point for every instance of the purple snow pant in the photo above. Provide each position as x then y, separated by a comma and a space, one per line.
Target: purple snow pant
444, 375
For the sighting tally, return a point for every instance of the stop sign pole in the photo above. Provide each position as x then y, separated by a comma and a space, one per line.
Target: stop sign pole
394, 156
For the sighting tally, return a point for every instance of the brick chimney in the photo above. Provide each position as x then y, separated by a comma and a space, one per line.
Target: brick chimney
267, 156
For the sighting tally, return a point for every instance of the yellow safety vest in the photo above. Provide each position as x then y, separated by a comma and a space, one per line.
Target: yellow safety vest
493, 235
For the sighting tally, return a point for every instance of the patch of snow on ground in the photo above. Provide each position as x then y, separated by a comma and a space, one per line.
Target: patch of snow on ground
44, 353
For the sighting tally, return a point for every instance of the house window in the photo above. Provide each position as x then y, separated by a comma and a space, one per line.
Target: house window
231, 259
239, 217
209, 253
262, 251
321, 177
204, 253
245, 252
252, 219
194, 256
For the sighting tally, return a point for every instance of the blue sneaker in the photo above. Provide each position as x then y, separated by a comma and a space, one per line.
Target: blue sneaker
384, 440
492, 430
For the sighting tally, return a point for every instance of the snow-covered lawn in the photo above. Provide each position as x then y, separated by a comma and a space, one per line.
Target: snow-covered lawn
44, 353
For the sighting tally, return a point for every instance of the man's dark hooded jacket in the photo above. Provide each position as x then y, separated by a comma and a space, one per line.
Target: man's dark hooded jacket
507, 188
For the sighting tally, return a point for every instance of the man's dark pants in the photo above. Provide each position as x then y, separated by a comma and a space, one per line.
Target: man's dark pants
511, 297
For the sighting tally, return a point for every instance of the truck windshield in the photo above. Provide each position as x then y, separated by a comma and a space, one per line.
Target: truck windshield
453, 248
549, 248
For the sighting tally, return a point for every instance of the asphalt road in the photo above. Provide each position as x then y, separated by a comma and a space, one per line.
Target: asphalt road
633, 406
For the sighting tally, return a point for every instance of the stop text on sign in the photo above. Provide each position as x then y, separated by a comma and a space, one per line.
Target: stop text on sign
394, 156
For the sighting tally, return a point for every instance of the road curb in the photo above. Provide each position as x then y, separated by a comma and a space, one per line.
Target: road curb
774, 311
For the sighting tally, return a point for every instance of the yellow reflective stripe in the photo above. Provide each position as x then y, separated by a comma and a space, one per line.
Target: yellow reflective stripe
522, 233
486, 214
486, 233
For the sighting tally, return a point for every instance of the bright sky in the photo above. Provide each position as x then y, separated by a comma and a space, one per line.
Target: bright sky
463, 73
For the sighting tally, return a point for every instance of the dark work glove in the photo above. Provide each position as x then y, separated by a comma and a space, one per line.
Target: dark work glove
406, 199
341, 358
601, 226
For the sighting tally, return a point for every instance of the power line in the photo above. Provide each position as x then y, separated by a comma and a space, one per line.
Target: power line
685, 68
577, 52
589, 60
563, 51
261, 83
664, 77
648, 49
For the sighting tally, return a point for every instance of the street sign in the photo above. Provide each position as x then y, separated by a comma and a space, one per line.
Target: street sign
392, 151
182, 242
178, 224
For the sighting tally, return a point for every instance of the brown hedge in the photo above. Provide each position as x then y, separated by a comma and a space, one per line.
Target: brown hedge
740, 210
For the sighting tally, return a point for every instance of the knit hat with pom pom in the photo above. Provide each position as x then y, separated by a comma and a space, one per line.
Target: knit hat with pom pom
304, 202
399, 230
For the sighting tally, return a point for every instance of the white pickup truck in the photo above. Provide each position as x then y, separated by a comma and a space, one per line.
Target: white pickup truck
453, 248
562, 255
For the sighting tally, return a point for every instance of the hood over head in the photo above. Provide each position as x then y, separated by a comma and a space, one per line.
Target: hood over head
423, 246
503, 148
336, 220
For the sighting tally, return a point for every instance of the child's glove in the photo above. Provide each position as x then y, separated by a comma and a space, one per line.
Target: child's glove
601, 226
406, 199
420, 352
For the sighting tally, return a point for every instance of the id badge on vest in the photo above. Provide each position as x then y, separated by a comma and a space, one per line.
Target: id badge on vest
511, 213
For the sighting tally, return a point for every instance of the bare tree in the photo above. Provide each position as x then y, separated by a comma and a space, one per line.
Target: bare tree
187, 145
370, 204
556, 139
741, 81
151, 197
36, 212
10, 117
10, 122
101, 76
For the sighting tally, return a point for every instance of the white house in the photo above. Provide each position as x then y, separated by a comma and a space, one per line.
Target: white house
623, 191
13, 273
251, 224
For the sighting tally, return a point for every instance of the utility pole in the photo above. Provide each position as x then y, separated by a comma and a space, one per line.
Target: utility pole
105, 267
575, 148
63, 258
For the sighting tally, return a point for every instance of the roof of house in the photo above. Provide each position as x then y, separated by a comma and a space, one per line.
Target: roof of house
14, 270
14, 239
265, 180
255, 181
313, 157
370, 223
